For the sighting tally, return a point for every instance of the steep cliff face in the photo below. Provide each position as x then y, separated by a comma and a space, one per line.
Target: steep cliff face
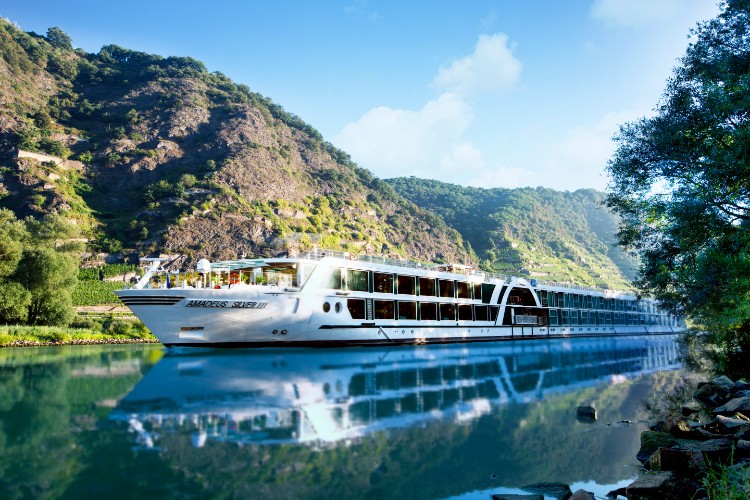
175, 158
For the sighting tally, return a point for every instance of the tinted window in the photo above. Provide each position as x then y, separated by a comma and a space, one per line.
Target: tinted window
494, 311
481, 313
356, 308
428, 311
427, 287
407, 310
487, 289
464, 289
446, 288
406, 285
334, 279
464, 312
356, 280
384, 309
447, 312
383, 283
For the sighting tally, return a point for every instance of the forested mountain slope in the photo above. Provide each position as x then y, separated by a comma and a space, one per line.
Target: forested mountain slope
537, 232
163, 155
168, 156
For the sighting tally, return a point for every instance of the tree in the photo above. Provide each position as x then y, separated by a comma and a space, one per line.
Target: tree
59, 39
38, 269
50, 277
14, 302
681, 182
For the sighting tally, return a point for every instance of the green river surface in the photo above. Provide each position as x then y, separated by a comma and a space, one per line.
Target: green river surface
459, 421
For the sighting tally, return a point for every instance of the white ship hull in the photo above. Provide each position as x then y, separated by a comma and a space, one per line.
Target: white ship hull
313, 312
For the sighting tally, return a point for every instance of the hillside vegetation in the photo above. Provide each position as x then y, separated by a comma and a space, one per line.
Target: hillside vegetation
536, 232
164, 156
168, 156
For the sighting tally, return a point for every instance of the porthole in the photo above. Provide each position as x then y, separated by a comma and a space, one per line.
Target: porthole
338, 307
326, 307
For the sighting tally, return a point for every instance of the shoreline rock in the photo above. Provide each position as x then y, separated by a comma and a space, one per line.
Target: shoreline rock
682, 457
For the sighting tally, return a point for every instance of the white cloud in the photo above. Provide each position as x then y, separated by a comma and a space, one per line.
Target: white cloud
430, 142
503, 176
491, 68
579, 159
462, 157
634, 13
396, 142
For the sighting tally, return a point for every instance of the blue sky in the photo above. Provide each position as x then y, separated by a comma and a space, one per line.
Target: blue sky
488, 93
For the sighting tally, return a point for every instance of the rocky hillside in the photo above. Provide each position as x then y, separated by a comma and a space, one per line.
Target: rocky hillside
165, 156
539, 232
153, 154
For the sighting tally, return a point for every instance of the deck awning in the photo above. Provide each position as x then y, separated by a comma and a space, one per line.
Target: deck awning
231, 265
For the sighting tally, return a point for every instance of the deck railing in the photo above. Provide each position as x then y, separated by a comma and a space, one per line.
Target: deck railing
319, 253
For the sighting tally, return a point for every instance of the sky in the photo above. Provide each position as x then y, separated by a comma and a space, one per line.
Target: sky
485, 93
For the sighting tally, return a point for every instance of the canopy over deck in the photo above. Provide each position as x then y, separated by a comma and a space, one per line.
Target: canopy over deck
232, 265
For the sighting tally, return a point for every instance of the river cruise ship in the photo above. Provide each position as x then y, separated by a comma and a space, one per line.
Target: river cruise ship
330, 298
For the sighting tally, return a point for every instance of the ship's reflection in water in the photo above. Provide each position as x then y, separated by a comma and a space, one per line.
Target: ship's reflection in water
324, 397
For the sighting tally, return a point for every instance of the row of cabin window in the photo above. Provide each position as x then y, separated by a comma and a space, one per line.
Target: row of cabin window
579, 301
370, 281
425, 311
564, 317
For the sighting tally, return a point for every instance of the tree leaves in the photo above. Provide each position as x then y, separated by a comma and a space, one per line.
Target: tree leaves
681, 179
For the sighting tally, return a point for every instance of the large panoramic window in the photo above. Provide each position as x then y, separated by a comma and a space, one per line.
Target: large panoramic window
383, 283
356, 308
356, 280
407, 310
334, 279
464, 312
406, 285
447, 312
463, 289
427, 287
428, 311
446, 289
553, 317
494, 312
481, 313
384, 309
487, 289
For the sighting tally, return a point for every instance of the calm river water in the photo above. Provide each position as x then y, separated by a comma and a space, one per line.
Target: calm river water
402, 422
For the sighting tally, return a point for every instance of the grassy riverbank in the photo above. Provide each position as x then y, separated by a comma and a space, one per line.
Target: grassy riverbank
92, 332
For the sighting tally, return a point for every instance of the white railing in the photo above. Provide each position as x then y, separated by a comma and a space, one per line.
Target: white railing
319, 253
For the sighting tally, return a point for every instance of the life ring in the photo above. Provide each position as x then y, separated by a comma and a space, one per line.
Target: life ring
234, 278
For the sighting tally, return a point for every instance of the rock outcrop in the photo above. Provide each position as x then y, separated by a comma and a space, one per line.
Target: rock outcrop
680, 459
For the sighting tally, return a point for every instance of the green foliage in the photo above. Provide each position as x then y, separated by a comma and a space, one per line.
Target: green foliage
108, 270
29, 137
50, 277
54, 148
59, 39
555, 235
36, 274
14, 302
188, 180
94, 293
681, 183
727, 482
